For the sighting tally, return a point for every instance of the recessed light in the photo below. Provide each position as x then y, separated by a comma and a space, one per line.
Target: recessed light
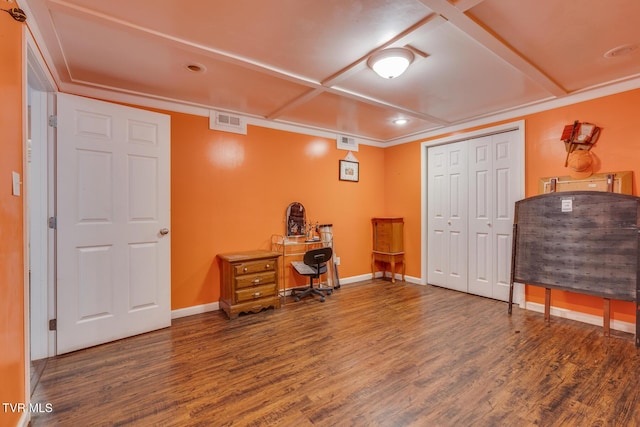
400, 122
196, 68
625, 49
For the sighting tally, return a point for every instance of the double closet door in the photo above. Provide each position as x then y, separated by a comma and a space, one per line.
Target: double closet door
472, 187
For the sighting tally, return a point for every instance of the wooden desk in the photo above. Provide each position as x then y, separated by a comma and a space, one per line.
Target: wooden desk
292, 249
387, 258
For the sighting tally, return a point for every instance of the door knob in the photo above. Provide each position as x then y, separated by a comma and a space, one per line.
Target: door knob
449, 222
164, 231
489, 224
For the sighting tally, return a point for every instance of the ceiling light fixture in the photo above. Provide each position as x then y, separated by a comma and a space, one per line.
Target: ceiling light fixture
390, 63
400, 122
625, 49
196, 68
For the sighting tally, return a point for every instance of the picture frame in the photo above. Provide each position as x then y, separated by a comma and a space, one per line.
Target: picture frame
349, 171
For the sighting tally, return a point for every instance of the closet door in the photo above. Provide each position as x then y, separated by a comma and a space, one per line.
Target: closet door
493, 190
447, 216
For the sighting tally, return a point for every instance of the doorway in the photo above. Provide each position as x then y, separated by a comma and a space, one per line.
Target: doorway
122, 277
470, 182
39, 206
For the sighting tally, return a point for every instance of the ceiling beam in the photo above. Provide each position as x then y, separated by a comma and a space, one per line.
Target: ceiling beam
248, 63
474, 30
429, 22
465, 5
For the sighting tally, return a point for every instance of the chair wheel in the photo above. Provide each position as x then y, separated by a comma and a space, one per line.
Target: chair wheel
329, 292
321, 299
297, 299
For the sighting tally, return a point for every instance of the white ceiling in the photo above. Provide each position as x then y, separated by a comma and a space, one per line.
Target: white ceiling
303, 62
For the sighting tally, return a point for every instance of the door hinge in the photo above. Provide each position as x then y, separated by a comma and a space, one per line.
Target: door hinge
53, 223
53, 121
53, 324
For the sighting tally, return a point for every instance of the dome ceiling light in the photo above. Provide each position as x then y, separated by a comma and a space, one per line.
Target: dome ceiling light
390, 63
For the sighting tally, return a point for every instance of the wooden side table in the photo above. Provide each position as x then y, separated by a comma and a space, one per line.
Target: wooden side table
387, 258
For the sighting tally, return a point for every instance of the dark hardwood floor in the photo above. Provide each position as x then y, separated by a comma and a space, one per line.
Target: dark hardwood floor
374, 354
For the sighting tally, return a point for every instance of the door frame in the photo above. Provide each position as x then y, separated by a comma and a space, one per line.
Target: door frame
519, 127
39, 243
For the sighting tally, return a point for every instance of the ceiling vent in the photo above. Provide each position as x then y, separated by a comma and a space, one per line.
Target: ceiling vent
347, 143
227, 122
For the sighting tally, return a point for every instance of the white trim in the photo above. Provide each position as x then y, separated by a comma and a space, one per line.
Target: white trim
24, 418
168, 104
354, 279
505, 127
518, 126
215, 306
36, 192
591, 319
144, 100
25, 234
519, 112
51, 208
38, 77
107, 93
195, 309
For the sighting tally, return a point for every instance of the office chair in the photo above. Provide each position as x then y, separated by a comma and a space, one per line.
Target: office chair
313, 264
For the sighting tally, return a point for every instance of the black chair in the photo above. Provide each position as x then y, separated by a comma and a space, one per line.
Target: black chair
313, 264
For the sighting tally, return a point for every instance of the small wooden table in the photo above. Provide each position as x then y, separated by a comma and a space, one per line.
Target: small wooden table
387, 258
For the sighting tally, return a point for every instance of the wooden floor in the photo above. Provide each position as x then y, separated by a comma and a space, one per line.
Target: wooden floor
374, 354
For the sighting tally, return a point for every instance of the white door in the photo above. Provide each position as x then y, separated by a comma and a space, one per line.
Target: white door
113, 215
447, 216
493, 190
481, 192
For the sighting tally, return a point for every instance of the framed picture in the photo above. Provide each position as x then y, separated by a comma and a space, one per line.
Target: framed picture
349, 171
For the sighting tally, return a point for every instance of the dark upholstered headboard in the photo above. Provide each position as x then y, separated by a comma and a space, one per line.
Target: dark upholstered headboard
579, 241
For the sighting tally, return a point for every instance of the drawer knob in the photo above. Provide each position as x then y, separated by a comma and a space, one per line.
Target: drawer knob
244, 270
257, 294
256, 281
268, 266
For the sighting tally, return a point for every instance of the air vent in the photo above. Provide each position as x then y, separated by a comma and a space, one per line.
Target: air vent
347, 143
227, 122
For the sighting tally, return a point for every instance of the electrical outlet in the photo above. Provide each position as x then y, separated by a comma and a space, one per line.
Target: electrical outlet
337, 260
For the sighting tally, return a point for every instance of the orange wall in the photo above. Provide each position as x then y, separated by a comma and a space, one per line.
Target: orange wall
12, 357
230, 192
402, 198
616, 150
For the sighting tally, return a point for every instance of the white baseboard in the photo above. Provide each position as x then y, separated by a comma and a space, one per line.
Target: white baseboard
214, 306
24, 419
582, 317
380, 274
196, 309
354, 279
533, 306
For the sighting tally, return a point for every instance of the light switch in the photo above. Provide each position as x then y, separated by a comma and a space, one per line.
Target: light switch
16, 183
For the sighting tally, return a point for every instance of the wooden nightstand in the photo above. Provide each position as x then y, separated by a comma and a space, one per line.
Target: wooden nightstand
248, 282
